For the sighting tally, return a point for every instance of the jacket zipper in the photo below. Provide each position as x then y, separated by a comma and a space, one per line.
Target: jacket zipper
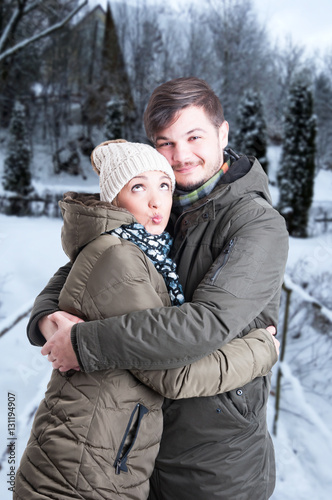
226, 252
178, 222
186, 212
120, 463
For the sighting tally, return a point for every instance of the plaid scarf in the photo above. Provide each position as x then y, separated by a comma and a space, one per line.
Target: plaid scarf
182, 199
156, 247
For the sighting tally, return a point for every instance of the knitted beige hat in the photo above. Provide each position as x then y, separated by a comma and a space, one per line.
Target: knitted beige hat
117, 162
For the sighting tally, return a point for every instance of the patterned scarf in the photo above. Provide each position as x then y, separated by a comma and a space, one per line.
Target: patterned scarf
156, 247
182, 199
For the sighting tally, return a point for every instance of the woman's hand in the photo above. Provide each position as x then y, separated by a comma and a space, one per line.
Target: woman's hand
273, 332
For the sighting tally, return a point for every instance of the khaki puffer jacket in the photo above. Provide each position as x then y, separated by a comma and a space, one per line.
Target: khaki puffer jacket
96, 435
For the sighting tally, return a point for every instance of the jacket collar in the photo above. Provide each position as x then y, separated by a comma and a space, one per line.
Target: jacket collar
244, 176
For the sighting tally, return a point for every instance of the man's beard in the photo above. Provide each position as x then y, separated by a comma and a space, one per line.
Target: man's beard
210, 172
188, 188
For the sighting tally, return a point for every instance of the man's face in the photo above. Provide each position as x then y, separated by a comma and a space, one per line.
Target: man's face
193, 147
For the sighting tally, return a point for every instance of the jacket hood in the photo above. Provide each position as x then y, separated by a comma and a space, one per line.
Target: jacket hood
250, 179
85, 218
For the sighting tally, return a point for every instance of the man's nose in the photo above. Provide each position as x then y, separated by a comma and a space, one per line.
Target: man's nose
181, 153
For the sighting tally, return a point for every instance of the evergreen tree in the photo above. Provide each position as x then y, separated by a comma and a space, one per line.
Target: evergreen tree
113, 72
114, 92
296, 175
250, 137
114, 120
17, 176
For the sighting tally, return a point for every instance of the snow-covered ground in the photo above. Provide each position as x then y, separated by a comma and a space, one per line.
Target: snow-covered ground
30, 251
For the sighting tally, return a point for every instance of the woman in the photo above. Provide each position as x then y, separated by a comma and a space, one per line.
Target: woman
96, 435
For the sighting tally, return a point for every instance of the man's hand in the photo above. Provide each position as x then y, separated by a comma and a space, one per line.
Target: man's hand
273, 332
58, 348
47, 327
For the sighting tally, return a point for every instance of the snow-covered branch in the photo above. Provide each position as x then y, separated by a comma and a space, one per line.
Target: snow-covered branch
8, 323
42, 34
290, 285
18, 13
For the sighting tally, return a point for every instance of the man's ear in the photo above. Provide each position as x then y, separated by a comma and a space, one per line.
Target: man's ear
223, 134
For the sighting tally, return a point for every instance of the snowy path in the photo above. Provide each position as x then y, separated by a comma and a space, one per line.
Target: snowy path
31, 252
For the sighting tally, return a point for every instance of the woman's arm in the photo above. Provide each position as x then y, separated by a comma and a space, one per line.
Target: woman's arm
230, 367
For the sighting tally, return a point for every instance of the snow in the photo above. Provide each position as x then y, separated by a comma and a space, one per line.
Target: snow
30, 251
323, 186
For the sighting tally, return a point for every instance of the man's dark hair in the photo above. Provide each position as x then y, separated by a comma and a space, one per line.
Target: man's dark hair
173, 96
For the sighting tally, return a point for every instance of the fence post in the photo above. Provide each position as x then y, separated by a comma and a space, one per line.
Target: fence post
281, 357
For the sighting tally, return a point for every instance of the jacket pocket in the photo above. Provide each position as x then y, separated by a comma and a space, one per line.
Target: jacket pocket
221, 261
236, 268
248, 403
129, 438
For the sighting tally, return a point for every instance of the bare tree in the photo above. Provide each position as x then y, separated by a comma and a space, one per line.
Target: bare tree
198, 57
16, 12
241, 47
25, 29
284, 63
144, 51
323, 110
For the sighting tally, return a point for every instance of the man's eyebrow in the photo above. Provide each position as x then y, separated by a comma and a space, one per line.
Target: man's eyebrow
161, 138
195, 130
164, 138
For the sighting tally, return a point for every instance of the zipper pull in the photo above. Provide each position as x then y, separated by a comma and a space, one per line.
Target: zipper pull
229, 248
118, 468
225, 253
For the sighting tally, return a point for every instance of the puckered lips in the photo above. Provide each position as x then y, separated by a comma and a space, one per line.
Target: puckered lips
157, 218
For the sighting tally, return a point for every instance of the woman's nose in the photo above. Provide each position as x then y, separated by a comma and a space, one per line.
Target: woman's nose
155, 201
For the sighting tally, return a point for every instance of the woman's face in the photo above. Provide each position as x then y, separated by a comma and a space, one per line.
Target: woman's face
149, 198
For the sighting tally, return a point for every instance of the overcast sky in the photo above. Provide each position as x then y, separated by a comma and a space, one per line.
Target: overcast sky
307, 21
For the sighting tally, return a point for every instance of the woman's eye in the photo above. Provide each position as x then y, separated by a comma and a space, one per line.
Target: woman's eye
137, 187
165, 186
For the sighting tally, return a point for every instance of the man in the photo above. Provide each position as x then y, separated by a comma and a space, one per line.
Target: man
230, 246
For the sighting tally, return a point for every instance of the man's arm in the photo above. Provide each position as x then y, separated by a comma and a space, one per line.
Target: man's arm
233, 365
229, 298
172, 337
